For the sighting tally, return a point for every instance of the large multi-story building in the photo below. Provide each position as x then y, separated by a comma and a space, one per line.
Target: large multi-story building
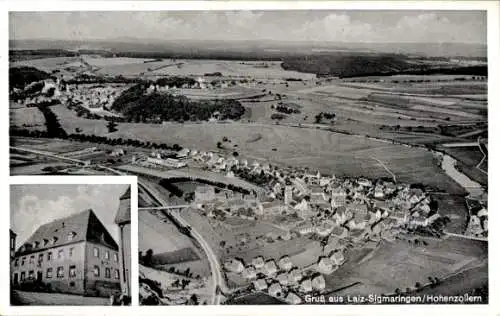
122, 219
75, 254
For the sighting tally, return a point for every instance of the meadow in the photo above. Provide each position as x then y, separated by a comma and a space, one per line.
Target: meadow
408, 264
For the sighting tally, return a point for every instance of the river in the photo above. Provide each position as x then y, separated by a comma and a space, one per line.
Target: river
448, 165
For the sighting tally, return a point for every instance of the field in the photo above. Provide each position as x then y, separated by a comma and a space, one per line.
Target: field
152, 230
180, 67
30, 118
343, 155
400, 265
190, 173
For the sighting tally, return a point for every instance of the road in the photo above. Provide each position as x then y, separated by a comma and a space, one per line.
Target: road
170, 207
40, 298
218, 280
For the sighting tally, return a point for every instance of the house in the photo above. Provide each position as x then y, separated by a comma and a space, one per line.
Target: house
285, 263
339, 232
357, 234
337, 258
183, 153
374, 217
400, 216
283, 278
275, 289
318, 282
293, 298
123, 220
482, 212
325, 266
260, 285
338, 197
364, 182
378, 193
270, 268
317, 193
301, 186
75, 255
342, 215
272, 208
303, 208
258, 262
325, 228
249, 273
357, 223
305, 228
357, 209
294, 276
306, 285
234, 265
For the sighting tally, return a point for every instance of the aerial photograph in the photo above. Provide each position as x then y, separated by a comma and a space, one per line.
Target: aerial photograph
282, 157
70, 244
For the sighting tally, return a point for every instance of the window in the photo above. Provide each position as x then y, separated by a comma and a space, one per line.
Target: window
32, 259
49, 256
23, 260
49, 273
23, 276
45, 242
60, 272
71, 251
31, 275
36, 244
107, 273
72, 271
60, 254
115, 257
40, 257
96, 271
16, 263
71, 236
96, 252
106, 255
117, 274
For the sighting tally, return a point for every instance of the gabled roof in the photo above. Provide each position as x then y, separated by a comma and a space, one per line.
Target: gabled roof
123, 213
83, 226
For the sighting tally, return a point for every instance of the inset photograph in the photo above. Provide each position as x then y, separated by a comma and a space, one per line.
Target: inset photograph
70, 244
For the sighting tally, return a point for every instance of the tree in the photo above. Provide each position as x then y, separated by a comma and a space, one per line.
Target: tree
112, 126
148, 258
219, 145
397, 291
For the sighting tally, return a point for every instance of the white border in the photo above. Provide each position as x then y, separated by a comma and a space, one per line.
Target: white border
493, 55
65, 310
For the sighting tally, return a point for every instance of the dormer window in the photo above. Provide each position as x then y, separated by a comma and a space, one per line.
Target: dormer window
36, 244
54, 240
45, 242
71, 236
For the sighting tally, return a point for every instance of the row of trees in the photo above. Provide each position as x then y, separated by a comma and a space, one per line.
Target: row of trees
16, 131
319, 117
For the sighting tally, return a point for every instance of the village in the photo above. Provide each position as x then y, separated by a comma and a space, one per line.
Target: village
338, 212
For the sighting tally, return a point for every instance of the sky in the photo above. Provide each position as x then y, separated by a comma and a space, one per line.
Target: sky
307, 25
33, 205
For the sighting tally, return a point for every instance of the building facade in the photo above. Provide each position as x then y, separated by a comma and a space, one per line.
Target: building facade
122, 219
75, 254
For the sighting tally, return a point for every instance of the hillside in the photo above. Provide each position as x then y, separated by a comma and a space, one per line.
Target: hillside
137, 106
19, 77
358, 65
